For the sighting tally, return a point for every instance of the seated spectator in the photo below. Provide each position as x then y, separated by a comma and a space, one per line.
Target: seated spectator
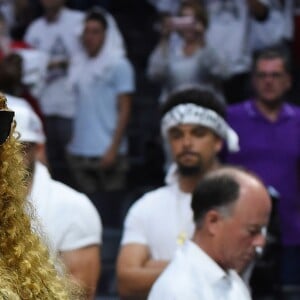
230, 208
189, 59
71, 224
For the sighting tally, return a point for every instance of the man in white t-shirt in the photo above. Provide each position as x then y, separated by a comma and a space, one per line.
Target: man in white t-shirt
57, 33
277, 29
228, 35
103, 82
193, 125
230, 208
70, 223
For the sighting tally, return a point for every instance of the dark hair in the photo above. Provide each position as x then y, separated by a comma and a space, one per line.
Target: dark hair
196, 94
273, 53
199, 10
2, 17
11, 73
97, 14
214, 192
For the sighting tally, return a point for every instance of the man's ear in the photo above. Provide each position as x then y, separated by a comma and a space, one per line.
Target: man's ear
212, 221
288, 81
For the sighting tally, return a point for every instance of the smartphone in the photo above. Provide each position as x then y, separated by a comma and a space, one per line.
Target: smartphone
183, 22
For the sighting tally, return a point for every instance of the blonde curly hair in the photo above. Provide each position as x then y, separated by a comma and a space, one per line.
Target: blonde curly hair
26, 269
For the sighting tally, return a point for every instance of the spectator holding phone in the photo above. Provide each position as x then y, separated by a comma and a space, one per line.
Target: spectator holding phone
188, 59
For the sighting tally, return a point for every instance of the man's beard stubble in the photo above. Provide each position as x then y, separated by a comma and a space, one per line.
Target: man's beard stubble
190, 171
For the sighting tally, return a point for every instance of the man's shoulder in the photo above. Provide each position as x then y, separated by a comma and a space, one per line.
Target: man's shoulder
151, 203
72, 15
154, 197
122, 63
68, 15
294, 108
35, 25
80, 215
174, 283
73, 12
238, 108
68, 198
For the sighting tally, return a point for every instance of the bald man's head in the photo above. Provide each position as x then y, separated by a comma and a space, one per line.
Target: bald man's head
231, 207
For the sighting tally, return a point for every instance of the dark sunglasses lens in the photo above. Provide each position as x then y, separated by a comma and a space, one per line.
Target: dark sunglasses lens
6, 118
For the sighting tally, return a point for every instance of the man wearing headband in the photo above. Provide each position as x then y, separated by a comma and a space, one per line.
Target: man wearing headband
193, 125
70, 222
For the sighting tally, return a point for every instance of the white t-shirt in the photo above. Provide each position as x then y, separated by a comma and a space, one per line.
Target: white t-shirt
97, 98
68, 218
34, 64
170, 6
193, 275
228, 32
162, 220
277, 27
61, 40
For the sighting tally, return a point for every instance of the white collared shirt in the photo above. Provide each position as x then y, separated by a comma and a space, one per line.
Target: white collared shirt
193, 275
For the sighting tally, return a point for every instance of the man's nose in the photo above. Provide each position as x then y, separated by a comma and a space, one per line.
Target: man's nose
260, 240
187, 140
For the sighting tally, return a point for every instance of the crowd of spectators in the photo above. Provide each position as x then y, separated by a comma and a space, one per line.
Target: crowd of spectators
98, 72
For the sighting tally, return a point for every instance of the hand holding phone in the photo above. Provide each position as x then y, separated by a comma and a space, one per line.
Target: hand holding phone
183, 22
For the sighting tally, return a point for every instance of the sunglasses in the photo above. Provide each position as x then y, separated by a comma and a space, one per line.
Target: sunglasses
6, 118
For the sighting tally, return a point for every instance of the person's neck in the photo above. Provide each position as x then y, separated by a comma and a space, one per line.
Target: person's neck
51, 15
269, 110
191, 46
205, 243
187, 184
95, 53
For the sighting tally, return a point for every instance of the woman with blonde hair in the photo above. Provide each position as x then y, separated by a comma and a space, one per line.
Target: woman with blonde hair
26, 269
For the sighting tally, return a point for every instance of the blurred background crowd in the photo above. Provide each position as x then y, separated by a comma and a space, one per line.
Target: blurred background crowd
89, 102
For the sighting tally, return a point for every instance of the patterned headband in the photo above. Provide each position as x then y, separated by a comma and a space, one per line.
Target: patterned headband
193, 114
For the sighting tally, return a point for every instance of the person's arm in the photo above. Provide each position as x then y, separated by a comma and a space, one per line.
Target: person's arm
84, 265
158, 59
136, 271
258, 9
124, 109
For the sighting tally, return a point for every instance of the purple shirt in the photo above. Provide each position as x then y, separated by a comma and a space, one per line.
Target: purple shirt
272, 150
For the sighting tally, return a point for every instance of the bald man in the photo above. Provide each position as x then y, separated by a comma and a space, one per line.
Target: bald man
231, 208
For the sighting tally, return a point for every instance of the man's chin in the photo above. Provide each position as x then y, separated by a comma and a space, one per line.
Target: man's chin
186, 170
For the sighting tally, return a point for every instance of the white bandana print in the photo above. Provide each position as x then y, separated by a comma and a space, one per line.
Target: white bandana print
193, 114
